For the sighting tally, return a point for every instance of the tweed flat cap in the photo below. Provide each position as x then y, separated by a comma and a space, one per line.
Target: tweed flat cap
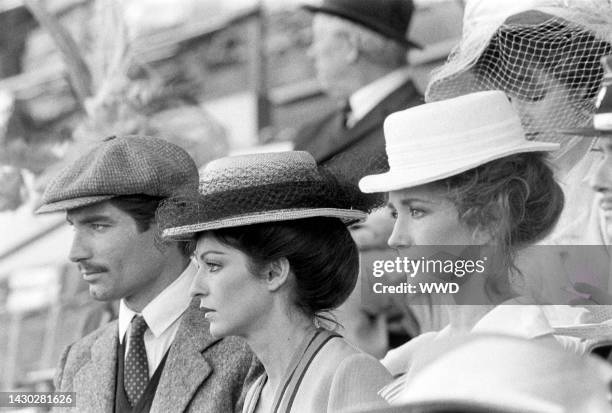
128, 165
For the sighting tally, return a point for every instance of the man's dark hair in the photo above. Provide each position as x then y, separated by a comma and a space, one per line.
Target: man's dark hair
142, 210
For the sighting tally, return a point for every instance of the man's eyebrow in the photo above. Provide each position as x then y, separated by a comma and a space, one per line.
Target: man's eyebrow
91, 219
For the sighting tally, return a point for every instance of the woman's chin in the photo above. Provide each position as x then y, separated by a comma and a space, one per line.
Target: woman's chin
217, 331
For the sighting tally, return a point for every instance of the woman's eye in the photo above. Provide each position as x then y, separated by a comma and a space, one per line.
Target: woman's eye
393, 213
212, 267
416, 213
97, 227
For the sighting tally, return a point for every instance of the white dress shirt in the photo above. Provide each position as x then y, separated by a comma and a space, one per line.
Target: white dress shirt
366, 98
163, 316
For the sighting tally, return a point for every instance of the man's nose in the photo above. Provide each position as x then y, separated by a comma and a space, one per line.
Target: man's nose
79, 250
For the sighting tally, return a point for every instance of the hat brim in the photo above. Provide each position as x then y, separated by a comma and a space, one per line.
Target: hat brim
68, 204
410, 177
347, 216
449, 406
507, 406
356, 19
587, 132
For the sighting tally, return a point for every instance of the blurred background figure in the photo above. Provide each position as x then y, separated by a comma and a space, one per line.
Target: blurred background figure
545, 55
501, 374
359, 50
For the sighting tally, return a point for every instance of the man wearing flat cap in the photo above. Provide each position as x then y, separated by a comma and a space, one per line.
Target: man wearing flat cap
159, 355
359, 50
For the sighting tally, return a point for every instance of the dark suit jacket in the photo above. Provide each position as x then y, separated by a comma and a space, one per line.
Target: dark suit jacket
353, 153
202, 374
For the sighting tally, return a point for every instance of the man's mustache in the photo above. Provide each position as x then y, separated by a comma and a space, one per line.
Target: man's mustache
87, 267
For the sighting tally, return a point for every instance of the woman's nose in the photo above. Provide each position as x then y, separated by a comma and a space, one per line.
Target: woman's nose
199, 287
399, 238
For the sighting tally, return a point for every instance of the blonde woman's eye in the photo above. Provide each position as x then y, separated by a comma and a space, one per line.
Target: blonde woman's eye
416, 213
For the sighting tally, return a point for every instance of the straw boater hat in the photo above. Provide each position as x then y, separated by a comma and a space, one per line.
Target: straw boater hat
441, 139
502, 374
258, 188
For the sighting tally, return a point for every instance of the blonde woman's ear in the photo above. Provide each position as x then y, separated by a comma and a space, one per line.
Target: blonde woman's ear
277, 273
483, 236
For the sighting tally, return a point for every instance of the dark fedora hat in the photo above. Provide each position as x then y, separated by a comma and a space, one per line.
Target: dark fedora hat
602, 119
391, 18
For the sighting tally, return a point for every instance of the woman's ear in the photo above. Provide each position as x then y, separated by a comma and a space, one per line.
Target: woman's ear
277, 273
482, 236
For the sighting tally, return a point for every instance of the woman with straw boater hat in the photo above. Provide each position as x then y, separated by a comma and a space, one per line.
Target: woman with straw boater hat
275, 257
469, 178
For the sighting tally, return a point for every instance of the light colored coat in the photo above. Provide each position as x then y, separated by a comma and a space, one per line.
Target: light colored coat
338, 378
201, 374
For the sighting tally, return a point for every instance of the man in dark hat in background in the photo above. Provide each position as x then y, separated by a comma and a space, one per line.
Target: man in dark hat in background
359, 50
159, 355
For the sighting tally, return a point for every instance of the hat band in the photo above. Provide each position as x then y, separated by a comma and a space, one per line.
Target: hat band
437, 150
215, 206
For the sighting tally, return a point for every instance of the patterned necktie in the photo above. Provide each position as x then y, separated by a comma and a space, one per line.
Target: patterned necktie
136, 374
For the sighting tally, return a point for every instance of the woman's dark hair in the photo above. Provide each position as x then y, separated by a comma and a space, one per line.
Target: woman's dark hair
142, 210
321, 252
515, 199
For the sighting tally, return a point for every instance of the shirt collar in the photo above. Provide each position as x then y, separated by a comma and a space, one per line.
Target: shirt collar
164, 309
366, 98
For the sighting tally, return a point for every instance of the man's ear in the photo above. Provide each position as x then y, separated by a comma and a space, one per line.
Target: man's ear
348, 47
352, 49
277, 273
